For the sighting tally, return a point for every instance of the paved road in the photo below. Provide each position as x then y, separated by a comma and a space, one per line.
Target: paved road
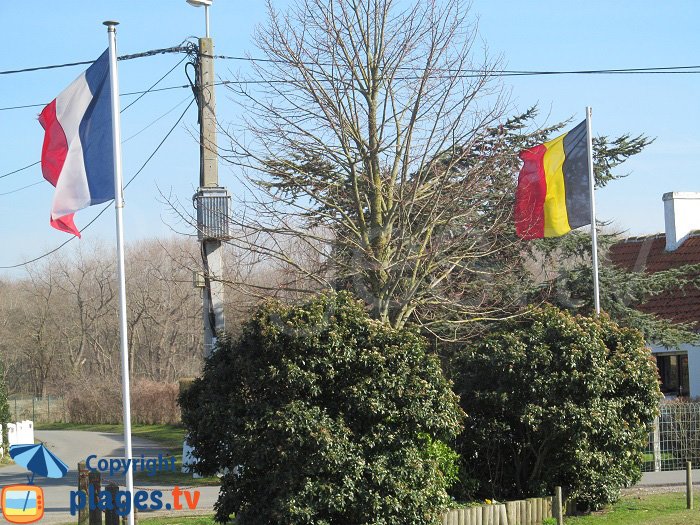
673, 477
74, 446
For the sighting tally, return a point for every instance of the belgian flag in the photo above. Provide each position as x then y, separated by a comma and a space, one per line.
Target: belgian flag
553, 195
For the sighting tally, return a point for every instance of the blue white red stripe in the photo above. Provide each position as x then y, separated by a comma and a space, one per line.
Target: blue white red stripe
77, 157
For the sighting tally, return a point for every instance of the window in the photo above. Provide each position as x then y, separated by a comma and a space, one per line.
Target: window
673, 371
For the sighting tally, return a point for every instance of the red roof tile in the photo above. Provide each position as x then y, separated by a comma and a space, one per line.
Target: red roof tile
649, 254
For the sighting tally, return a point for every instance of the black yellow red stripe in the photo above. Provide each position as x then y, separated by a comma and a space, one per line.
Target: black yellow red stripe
552, 196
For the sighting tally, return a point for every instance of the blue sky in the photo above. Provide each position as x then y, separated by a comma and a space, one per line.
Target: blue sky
527, 35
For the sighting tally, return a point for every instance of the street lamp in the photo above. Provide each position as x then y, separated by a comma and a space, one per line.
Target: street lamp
206, 4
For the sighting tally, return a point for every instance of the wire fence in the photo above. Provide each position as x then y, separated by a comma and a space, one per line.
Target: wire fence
675, 438
49, 409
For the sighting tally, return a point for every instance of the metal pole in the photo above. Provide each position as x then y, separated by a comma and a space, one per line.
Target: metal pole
689, 484
656, 444
118, 207
594, 232
206, 20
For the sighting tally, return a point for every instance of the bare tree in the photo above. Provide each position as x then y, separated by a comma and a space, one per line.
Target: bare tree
58, 324
165, 332
368, 146
29, 331
88, 327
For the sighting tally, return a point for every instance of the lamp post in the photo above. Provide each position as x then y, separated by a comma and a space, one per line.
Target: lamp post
206, 4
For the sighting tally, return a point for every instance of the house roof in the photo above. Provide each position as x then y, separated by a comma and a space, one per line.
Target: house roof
649, 254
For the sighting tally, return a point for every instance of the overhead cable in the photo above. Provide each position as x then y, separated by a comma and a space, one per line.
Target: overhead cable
108, 204
175, 49
151, 88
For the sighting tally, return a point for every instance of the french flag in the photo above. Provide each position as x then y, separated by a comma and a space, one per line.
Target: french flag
77, 157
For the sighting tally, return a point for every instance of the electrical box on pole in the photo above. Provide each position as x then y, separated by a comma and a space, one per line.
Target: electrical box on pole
212, 206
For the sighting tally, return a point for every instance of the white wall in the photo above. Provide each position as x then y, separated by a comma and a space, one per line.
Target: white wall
681, 216
20, 433
693, 370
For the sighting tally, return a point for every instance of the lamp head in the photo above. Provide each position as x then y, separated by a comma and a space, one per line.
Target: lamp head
200, 3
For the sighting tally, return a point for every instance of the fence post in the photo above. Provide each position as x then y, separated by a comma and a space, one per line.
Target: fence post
125, 519
510, 512
48, 408
689, 484
96, 514
111, 516
656, 445
558, 506
83, 487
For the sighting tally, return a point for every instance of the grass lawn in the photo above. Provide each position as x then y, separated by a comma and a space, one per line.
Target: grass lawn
204, 519
170, 437
653, 509
665, 457
201, 519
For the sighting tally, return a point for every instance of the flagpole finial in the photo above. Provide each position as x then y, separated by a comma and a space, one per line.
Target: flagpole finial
111, 24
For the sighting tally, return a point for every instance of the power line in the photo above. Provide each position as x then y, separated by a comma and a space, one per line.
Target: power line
143, 93
152, 52
501, 72
186, 49
156, 120
24, 107
497, 72
107, 205
474, 75
462, 73
154, 85
40, 68
20, 169
22, 188
128, 94
123, 142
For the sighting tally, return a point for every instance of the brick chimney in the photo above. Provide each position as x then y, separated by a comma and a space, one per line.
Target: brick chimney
681, 215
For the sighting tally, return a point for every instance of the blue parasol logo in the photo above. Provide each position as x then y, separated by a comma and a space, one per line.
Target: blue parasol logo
38, 460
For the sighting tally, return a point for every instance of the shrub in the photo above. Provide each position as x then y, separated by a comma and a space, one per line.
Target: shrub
5, 414
556, 400
152, 403
321, 415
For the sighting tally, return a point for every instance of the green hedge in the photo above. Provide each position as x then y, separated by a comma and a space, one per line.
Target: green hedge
555, 399
5, 414
323, 416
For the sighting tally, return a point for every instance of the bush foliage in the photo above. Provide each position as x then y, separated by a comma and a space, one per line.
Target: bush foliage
321, 415
152, 403
5, 414
554, 400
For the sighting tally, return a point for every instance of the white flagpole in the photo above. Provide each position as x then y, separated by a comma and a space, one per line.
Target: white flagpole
118, 207
594, 233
